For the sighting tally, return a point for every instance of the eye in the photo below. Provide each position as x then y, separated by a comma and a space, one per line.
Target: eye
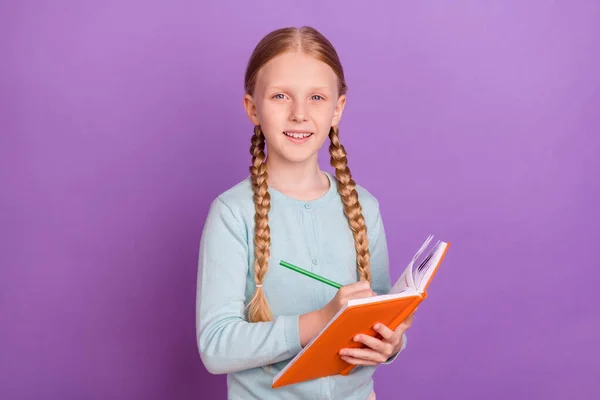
279, 96
317, 97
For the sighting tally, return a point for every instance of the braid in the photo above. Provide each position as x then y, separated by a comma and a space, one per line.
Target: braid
258, 306
352, 208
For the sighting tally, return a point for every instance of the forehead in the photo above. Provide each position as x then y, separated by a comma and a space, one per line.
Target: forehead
296, 70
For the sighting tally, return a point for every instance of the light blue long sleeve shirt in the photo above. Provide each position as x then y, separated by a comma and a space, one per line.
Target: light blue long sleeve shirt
314, 235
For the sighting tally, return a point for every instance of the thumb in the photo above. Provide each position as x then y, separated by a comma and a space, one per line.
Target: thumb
406, 323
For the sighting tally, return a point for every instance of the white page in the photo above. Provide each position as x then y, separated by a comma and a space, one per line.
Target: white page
404, 282
407, 280
424, 275
423, 265
366, 300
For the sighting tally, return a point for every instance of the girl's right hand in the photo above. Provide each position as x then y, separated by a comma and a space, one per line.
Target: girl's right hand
355, 290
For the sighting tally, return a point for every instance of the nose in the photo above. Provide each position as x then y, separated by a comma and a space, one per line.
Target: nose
298, 112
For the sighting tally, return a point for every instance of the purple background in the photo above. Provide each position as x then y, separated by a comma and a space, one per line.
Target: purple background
120, 121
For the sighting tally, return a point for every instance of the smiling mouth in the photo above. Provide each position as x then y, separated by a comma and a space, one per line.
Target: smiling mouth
297, 135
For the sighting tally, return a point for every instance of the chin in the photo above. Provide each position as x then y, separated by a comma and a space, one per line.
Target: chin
298, 157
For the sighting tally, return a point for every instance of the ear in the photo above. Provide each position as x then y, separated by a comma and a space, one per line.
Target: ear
251, 111
339, 109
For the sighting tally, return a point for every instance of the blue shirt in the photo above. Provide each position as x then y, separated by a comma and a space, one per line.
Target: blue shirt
314, 235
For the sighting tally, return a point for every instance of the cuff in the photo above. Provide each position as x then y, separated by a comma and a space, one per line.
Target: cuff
292, 333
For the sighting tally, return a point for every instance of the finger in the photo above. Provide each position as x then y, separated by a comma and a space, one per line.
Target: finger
385, 332
375, 344
403, 327
364, 354
412, 314
406, 323
358, 361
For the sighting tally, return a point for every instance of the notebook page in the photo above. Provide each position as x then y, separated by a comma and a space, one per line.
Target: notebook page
429, 265
424, 266
424, 252
406, 280
403, 283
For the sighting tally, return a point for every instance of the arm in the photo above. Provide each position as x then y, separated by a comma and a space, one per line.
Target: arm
226, 341
380, 266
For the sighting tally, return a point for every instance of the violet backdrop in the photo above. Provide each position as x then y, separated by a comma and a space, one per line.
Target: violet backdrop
120, 121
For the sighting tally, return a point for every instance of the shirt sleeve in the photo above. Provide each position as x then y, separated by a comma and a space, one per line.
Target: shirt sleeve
380, 264
226, 341
380, 267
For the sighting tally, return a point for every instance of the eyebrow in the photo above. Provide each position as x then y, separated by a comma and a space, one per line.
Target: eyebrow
312, 89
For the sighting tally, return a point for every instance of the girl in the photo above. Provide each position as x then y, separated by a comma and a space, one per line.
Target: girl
253, 316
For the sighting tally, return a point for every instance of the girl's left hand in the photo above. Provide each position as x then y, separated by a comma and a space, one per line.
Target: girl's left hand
377, 350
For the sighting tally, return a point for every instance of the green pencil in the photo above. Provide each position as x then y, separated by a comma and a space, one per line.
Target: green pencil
310, 274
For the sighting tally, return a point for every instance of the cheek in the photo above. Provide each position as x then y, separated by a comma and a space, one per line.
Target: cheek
272, 114
323, 116
272, 121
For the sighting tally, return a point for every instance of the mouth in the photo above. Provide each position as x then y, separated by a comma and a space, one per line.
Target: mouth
298, 136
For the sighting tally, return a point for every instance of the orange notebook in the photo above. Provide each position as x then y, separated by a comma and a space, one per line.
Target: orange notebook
320, 357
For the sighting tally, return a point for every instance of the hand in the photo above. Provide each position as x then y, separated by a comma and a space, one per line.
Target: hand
357, 290
377, 350
311, 323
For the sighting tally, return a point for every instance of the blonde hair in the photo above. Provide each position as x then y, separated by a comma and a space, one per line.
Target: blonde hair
311, 42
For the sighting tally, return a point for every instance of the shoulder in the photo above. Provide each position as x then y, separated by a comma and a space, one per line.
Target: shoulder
370, 210
368, 201
236, 202
238, 196
369, 205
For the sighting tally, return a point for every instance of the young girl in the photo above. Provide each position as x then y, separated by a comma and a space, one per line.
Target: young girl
253, 315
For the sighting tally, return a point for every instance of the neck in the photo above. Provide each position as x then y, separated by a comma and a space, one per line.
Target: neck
293, 177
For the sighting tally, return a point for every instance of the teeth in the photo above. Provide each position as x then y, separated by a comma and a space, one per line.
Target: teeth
298, 135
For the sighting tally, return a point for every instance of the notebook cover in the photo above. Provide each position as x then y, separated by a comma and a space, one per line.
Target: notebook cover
322, 357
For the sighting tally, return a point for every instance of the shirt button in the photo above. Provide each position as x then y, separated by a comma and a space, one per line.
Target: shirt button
307, 206
315, 261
